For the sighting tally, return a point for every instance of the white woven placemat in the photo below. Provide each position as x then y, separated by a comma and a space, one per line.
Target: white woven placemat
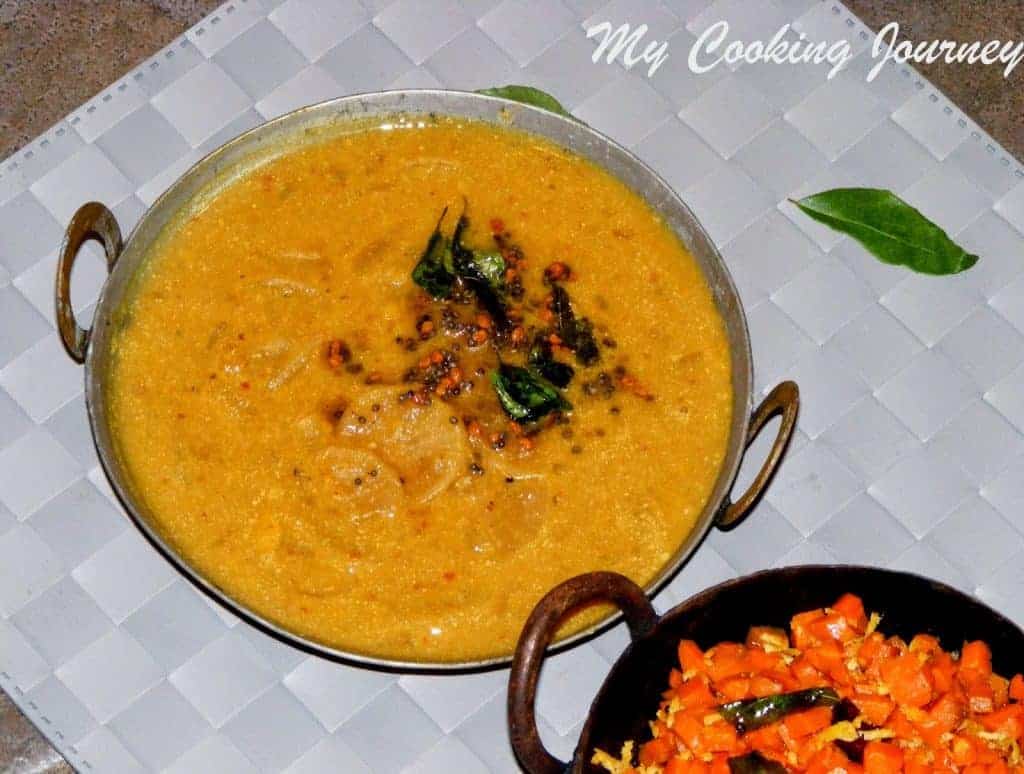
910, 450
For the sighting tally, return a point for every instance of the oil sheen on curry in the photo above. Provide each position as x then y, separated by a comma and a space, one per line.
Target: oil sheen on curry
387, 388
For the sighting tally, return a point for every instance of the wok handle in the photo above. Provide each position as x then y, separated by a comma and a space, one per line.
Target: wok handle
91, 221
540, 629
785, 400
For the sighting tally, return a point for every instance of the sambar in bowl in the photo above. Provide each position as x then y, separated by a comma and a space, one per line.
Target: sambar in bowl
383, 378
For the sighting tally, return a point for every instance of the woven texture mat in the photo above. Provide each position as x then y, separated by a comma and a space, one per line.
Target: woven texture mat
910, 448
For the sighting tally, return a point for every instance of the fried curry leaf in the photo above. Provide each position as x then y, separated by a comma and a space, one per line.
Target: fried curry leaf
751, 714
525, 396
542, 362
584, 343
576, 334
755, 763
492, 266
435, 270
890, 229
528, 95
473, 275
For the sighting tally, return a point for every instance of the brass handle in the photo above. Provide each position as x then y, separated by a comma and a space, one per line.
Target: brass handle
785, 400
91, 221
537, 635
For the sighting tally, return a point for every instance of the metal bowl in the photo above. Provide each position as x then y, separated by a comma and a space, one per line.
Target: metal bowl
630, 695
93, 346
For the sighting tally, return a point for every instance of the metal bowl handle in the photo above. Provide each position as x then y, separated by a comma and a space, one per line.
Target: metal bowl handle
785, 400
537, 635
92, 221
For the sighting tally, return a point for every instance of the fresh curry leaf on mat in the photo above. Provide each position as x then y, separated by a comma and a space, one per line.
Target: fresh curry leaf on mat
528, 95
525, 396
755, 763
750, 714
892, 230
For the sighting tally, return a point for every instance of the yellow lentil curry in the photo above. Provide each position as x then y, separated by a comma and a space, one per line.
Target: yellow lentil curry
387, 388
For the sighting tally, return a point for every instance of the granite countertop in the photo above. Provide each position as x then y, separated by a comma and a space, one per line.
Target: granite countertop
84, 45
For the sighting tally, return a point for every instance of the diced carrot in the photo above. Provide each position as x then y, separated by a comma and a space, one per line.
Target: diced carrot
691, 657
765, 738
827, 657
734, 688
943, 671
907, 681
762, 661
689, 729
805, 673
807, 722
719, 737
925, 643
728, 659
1000, 690
695, 693
657, 751
870, 650
851, 608
916, 762
761, 685
799, 626
980, 696
1009, 720
882, 758
875, 708
720, 765
1017, 687
675, 678
833, 626
963, 750
759, 636
679, 765
976, 657
947, 712
831, 760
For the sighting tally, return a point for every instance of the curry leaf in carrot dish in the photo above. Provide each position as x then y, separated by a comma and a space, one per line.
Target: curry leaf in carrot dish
833, 695
754, 763
751, 714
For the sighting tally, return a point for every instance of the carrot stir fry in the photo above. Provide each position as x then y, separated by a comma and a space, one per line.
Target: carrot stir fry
833, 695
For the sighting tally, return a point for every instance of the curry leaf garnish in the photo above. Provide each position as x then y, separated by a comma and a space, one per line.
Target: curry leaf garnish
891, 230
576, 334
528, 95
543, 362
750, 714
472, 273
435, 270
755, 763
525, 396
492, 266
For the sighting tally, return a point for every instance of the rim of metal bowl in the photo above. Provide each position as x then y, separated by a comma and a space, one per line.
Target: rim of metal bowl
723, 485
